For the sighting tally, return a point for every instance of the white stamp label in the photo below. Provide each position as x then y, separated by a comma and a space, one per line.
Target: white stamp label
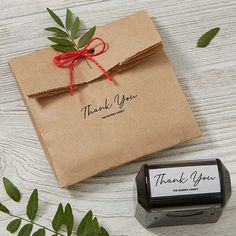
175, 181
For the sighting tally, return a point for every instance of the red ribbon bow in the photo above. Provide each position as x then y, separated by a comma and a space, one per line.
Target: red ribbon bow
69, 59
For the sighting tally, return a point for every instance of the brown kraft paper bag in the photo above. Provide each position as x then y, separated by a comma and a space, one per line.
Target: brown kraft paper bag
106, 123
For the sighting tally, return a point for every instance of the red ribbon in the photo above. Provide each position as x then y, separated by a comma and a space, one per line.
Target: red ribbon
69, 59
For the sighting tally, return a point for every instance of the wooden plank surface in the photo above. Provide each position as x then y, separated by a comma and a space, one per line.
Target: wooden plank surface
207, 76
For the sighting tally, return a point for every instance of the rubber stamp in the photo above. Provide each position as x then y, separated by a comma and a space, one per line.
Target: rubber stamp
177, 193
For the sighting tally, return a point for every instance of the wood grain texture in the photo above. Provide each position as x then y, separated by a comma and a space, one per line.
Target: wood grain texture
207, 76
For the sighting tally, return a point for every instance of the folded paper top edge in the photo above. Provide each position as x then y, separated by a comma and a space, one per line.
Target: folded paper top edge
129, 39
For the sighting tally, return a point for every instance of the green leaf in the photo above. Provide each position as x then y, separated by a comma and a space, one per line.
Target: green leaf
84, 226
40, 232
206, 38
103, 232
14, 225
11, 190
68, 219
55, 17
4, 209
69, 17
94, 229
25, 230
32, 206
58, 31
75, 28
61, 41
61, 48
89, 226
58, 218
86, 37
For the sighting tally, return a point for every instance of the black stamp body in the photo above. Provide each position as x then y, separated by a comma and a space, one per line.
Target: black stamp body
192, 192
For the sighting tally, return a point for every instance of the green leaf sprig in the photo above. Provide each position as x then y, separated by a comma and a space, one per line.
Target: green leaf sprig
89, 225
206, 38
11, 190
64, 36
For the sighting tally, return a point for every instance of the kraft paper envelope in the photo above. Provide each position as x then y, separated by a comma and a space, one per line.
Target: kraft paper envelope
106, 123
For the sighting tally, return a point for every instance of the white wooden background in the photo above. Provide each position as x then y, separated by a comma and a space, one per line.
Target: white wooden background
207, 76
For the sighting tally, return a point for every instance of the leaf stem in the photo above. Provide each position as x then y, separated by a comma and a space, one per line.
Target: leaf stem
34, 223
72, 39
75, 45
